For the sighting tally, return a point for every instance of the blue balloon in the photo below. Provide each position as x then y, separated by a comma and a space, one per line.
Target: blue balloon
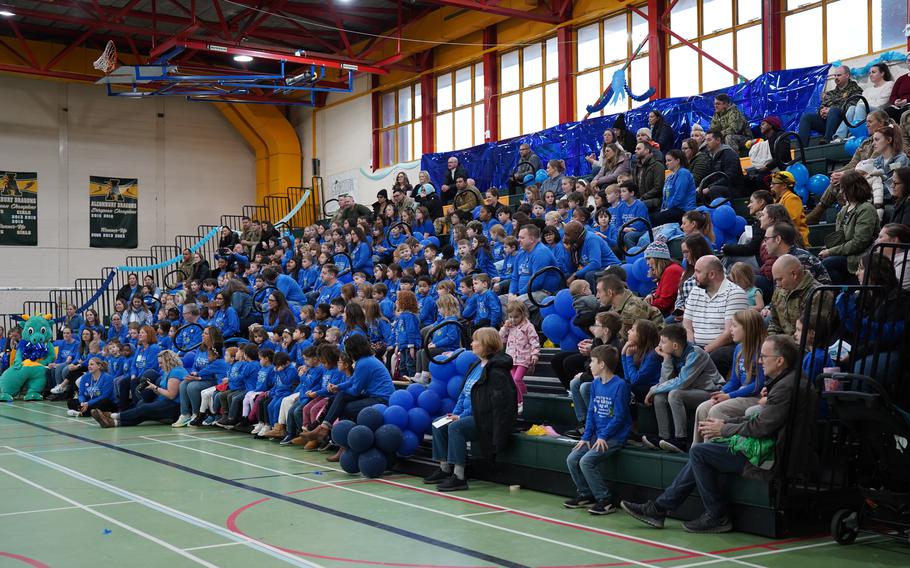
818, 184
370, 417
554, 327
464, 362
549, 309
380, 407
563, 304
372, 463
861, 130
429, 401
800, 173
402, 398
388, 438
541, 176
577, 331
348, 462
640, 268
409, 443
569, 342
454, 387
442, 372
360, 438
448, 405
396, 416
340, 432
418, 421
627, 268
720, 239
724, 217
705, 208
439, 387
528, 179
416, 390
717, 201
803, 192
740, 225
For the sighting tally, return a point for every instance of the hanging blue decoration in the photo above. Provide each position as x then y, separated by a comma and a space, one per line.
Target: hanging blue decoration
101, 290
883, 58
617, 91
151, 267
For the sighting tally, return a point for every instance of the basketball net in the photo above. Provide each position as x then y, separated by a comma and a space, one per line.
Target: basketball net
108, 59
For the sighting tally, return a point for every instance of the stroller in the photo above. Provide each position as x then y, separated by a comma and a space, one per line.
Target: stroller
882, 431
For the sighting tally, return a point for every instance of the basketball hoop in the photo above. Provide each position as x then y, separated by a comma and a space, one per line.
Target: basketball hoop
108, 59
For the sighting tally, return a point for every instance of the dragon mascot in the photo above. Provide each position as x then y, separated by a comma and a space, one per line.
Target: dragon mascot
33, 354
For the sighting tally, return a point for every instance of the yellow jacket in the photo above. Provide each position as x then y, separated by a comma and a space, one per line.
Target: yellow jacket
794, 206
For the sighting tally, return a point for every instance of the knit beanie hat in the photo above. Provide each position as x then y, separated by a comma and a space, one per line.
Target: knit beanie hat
645, 131
774, 122
383, 194
658, 249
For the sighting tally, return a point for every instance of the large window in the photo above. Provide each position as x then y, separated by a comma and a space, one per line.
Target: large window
728, 30
822, 31
603, 48
459, 108
400, 136
529, 92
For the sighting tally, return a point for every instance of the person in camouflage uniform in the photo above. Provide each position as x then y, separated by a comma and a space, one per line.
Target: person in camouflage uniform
731, 122
794, 285
614, 296
833, 107
875, 121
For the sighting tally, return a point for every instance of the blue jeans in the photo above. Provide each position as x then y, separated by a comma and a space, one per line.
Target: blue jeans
854, 114
450, 443
583, 466
811, 121
407, 365
838, 270
191, 395
581, 395
706, 461
159, 410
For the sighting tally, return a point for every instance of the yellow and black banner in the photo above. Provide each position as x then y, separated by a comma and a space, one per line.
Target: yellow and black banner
19, 208
113, 212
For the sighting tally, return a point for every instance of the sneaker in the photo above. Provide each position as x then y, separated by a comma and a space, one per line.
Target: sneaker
58, 389
675, 445
182, 421
707, 524
72, 413
651, 441
453, 484
243, 428
645, 512
197, 421
578, 502
437, 476
286, 441
521, 408
225, 422
257, 428
210, 421
602, 508
837, 140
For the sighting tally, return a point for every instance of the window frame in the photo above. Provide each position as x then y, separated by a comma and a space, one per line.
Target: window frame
415, 123
543, 86
476, 105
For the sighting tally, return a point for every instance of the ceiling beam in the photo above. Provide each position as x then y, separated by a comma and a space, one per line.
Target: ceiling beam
537, 15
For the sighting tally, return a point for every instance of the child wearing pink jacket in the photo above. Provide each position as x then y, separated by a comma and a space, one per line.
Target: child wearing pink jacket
522, 344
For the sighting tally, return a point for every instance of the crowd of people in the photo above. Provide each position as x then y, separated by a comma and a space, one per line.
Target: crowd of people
282, 335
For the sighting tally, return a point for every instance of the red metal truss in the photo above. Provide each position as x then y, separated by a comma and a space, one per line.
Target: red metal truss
539, 14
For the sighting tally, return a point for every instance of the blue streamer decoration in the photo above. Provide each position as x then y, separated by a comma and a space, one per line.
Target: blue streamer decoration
883, 58
211, 234
616, 92
293, 211
88, 304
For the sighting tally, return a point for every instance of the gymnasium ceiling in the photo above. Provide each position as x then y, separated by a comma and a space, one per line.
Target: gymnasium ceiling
344, 30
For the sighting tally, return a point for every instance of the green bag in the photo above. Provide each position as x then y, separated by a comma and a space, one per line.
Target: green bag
756, 450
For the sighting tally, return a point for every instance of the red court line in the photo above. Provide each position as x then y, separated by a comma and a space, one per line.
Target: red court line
24, 559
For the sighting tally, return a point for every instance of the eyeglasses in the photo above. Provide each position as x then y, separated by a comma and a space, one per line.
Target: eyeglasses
762, 356
766, 237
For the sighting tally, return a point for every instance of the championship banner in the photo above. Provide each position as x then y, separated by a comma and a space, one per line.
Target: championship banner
113, 212
19, 208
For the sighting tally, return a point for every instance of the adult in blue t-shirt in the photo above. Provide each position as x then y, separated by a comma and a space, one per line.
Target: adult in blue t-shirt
160, 400
287, 285
532, 256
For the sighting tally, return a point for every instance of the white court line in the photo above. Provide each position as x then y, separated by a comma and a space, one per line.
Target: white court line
778, 551
16, 513
112, 520
481, 513
415, 506
562, 522
223, 544
161, 508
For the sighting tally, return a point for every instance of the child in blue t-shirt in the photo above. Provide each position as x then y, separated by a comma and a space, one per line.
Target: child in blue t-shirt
607, 426
628, 208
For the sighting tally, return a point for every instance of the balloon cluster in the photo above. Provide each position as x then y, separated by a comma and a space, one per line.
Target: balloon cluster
728, 226
637, 278
370, 446
557, 322
805, 185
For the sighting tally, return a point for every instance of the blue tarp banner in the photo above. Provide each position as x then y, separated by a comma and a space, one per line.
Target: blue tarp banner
786, 94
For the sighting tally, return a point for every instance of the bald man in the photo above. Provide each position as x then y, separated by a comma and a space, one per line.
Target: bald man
709, 311
794, 285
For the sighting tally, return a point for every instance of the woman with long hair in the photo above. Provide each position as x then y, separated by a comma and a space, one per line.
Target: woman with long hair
556, 170
855, 230
699, 162
694, 247
746, 381
678, 192
666, 272
279, 313
158, 397
209, 368
614, 163
144, 366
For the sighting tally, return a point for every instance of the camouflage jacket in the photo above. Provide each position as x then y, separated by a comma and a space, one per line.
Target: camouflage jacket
730, 121
838, 96
787, 305
634, 308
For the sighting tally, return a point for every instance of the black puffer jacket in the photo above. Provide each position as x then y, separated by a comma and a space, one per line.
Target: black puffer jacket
494, 406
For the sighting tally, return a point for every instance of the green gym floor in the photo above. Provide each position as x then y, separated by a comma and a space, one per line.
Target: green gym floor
72, 494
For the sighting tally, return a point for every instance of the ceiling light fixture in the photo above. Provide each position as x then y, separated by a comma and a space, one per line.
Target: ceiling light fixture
242, 58
7, 13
